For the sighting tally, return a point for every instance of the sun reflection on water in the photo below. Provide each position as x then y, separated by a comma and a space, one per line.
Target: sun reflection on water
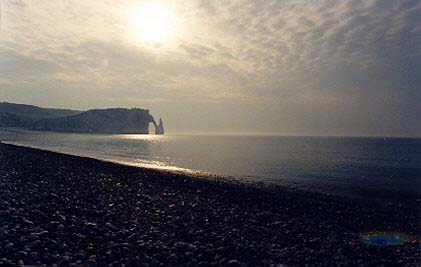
151, 164
143, 137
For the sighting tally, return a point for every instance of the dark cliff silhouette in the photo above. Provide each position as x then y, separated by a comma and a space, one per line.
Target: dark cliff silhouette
13, 120
99, 121
159, 129
30, 112
113, 120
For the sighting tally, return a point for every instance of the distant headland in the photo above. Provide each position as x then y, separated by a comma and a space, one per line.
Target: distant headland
111, 120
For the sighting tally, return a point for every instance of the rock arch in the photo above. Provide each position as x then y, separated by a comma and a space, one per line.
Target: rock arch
159, 127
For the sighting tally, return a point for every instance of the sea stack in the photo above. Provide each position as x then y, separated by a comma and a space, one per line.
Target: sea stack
159, 128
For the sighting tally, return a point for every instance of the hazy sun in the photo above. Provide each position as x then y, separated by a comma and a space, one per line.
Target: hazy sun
153, 22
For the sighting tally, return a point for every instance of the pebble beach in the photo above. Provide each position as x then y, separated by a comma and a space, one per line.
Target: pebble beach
64, 210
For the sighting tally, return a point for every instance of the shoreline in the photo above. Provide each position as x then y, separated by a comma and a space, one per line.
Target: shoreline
132, 215
366, 196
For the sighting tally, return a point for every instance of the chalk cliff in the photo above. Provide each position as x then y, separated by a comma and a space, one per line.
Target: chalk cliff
113, 120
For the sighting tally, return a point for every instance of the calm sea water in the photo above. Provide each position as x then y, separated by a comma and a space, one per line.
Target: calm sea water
351, 166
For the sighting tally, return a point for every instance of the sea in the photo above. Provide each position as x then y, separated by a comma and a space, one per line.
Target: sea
350, 166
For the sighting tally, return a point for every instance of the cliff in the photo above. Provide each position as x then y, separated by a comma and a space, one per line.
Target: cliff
13, 120
113, 120
33, 113
99, 121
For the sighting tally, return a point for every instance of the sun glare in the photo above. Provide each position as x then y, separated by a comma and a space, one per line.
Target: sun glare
154, 23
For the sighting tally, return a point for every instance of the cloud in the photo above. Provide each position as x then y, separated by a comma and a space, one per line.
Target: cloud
290, 55
16, 66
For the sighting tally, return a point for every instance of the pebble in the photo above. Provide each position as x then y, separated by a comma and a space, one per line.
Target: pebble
80, 211
22, 254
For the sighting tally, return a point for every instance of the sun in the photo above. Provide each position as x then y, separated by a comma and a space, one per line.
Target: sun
153, 23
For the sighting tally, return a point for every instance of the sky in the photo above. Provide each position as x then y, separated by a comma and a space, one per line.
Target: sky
242, 66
